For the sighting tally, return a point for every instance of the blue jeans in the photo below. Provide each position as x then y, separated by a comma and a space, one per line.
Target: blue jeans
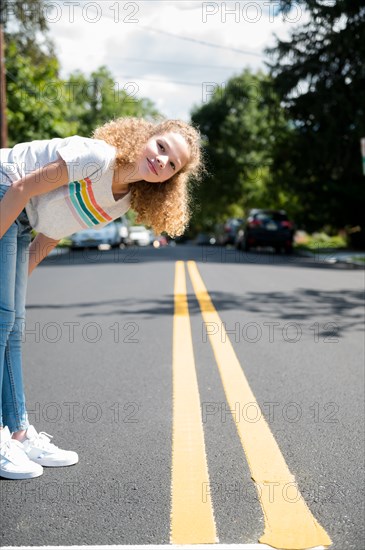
14, 259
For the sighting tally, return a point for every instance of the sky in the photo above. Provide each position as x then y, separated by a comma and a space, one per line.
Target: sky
172, 52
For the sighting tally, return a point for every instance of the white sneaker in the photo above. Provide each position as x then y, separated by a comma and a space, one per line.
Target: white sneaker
40, 450
14, 462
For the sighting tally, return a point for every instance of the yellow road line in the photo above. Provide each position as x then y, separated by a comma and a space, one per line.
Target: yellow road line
192, 518
289, 524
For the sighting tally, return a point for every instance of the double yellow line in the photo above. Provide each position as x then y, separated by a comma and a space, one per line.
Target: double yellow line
289, 524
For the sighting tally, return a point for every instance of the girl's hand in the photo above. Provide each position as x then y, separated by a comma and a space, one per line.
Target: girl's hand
40, 181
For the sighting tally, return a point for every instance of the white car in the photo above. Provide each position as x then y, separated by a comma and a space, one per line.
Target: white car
138, 234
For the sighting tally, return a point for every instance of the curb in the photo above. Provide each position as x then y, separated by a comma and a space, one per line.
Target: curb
341, 262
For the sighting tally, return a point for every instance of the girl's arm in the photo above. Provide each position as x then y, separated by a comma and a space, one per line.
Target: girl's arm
40, 181
39, 248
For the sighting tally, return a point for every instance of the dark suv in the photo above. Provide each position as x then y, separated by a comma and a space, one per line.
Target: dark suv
266, 228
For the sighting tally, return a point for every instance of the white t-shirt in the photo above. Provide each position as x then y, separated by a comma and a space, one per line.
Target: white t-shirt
86, 201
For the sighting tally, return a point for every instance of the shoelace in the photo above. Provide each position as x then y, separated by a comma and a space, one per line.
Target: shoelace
43, 442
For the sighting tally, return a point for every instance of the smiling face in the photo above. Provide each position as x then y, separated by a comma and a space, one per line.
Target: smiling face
162, 157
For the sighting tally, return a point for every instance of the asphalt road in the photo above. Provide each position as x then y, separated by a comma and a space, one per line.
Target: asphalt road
98, 353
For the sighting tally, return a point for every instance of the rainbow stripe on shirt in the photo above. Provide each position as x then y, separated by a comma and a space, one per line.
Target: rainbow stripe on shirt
81, 201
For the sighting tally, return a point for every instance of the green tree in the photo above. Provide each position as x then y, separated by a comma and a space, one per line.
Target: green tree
31, 68
35, 104
319, 75
94, 100
40, 104
23, 16
239, 123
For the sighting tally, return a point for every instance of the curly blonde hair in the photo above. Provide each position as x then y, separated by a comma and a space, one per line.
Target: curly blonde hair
165, 206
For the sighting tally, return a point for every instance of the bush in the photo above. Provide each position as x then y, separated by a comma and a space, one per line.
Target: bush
321, 240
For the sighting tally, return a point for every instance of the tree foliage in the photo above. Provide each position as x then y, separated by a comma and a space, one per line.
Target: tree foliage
35, 107
94, 100
25, 16
319, 75
240, 123
41, 105
296, 143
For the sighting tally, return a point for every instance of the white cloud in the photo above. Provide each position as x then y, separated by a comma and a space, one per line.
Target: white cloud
90, 34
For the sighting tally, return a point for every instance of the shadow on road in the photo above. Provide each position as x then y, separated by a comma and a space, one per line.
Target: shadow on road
204, 254
340, 307
344, 305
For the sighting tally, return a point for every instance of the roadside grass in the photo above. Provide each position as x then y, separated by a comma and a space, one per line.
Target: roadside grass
64, 243
318, 241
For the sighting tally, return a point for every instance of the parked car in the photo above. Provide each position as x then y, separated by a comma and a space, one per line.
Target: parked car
159, 241
182, 239
266, 228
152, 235
226, 232
139, 235
93, 237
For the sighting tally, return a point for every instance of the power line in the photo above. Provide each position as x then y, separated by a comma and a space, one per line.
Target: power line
133, 79
31, 91
163, 62
203, 42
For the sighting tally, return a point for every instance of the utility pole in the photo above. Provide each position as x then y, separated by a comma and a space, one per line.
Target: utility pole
3, 121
